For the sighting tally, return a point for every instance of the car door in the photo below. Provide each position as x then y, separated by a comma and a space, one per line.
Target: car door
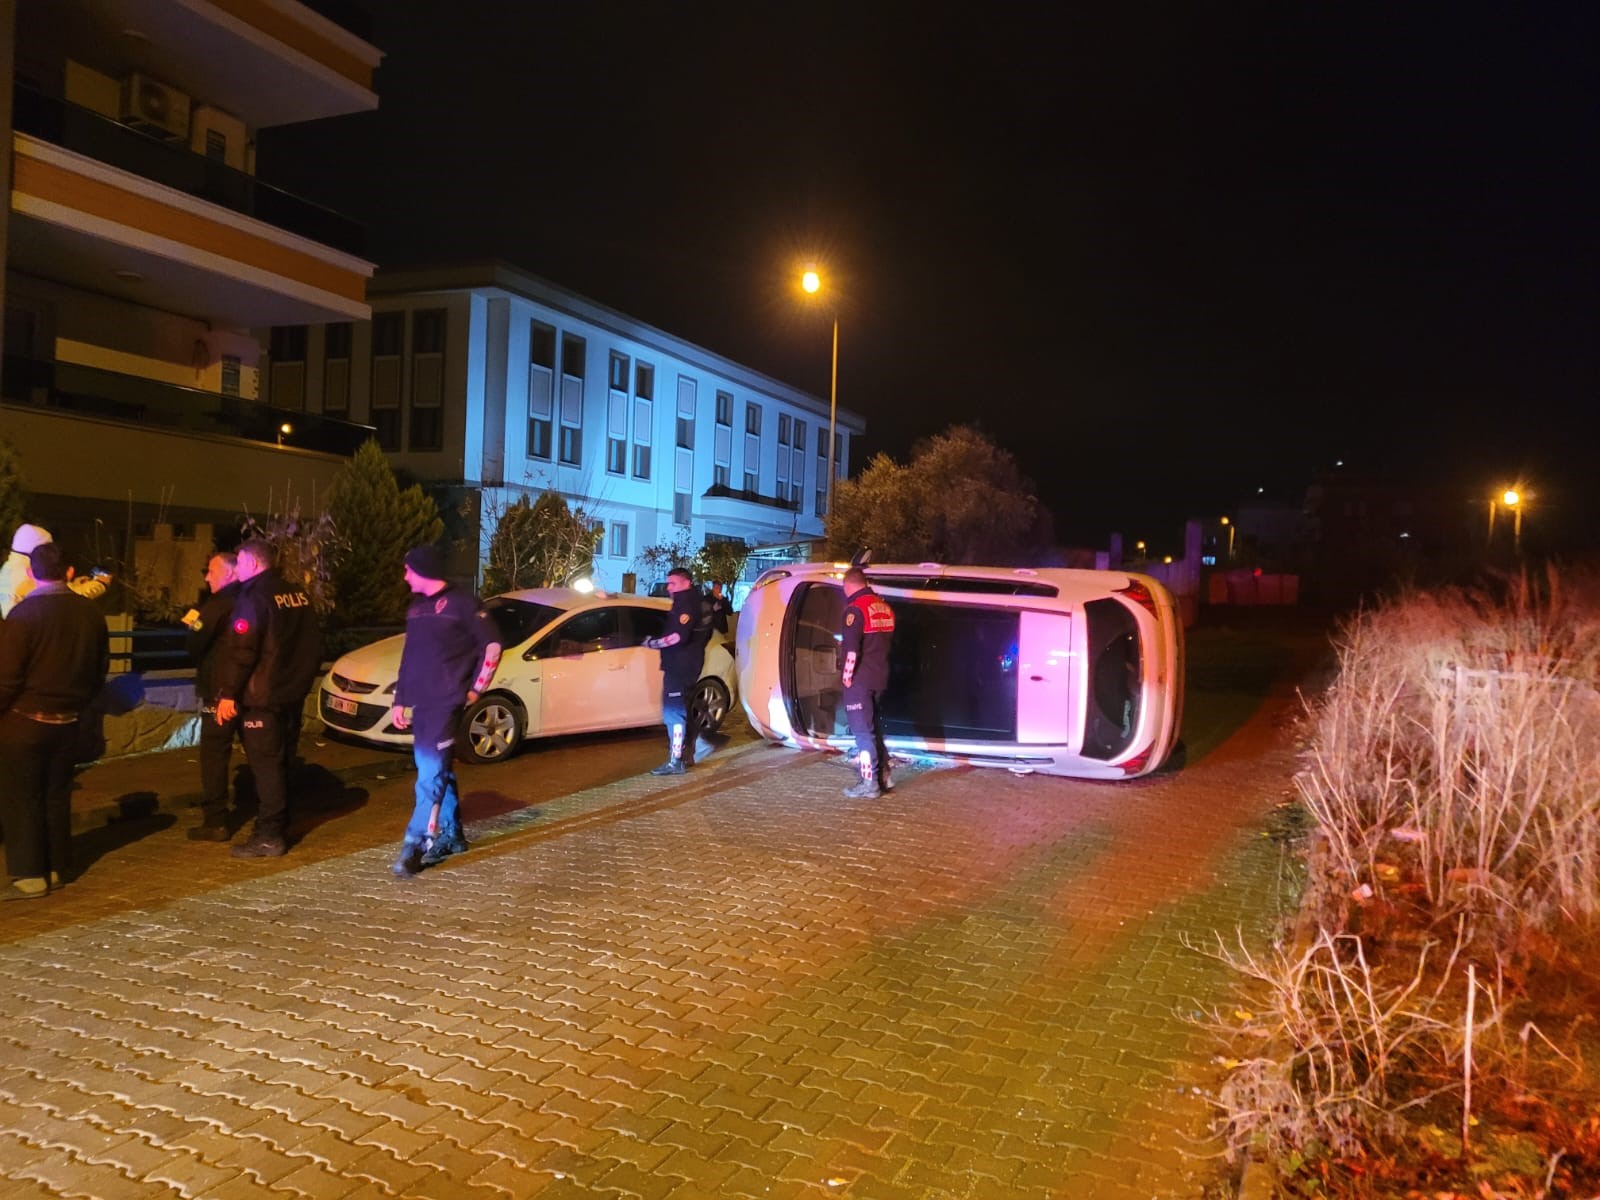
643, 694
580, 671
1047, 674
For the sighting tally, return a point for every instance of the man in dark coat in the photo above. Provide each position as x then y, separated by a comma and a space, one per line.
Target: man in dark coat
868, 628
683, 654
53, 659
269, 658
451, 651
206, 625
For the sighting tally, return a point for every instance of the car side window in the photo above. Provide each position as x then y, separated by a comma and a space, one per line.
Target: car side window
586, 633
645, 623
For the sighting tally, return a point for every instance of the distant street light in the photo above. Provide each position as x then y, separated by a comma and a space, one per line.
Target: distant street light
1513, 501
284, 431
812, 283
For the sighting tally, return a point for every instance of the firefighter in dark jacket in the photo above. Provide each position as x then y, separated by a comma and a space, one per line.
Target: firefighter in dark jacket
206, 626
269, 658
53, 659
683, 654
864, 641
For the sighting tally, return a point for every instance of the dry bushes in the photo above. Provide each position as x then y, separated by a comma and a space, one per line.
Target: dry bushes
1453, 773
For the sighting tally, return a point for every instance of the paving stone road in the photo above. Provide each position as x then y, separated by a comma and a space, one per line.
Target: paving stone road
734, 984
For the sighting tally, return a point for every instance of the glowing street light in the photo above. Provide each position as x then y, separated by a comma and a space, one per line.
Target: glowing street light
1514, 501
811, 282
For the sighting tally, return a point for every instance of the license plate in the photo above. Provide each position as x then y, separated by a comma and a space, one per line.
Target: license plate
340, 705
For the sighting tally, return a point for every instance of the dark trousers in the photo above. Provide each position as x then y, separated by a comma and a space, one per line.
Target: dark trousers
35, 786
861, 714
677, 716
262, 730
216, 753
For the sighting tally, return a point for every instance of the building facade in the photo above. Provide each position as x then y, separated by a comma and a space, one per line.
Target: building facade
487, 384
143, 256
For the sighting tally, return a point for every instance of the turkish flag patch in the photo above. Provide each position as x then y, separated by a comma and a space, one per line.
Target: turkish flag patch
241, 626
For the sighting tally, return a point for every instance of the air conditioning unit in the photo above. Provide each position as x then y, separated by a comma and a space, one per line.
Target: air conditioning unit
154, 107
218, 135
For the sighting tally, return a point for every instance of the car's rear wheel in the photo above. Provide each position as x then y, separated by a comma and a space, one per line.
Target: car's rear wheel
709, 702
491, 730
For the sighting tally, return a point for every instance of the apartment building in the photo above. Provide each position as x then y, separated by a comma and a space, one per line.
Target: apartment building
143, 255
488, 383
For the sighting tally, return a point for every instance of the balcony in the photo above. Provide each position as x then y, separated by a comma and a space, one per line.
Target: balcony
83, 131
130, 399
721, 491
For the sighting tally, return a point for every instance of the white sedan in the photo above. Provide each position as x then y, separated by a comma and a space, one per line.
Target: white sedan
1057, 671
573, 663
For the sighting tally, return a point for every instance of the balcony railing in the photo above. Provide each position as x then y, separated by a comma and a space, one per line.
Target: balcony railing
86, 132
91, 392
722, 490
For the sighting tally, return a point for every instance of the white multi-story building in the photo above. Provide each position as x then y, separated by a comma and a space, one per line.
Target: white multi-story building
487, 384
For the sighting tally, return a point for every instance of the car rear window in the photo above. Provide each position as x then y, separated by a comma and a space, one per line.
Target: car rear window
952, 669
1115, 679
518, 620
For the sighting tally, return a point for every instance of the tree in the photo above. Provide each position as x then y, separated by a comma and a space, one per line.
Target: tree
960, 499
308, 547
544, 543
655, 561
720, 562
13, 496
379, 523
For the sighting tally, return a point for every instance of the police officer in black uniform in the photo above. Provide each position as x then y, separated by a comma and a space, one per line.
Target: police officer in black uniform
868, 628
269, 659
206, 625
683, 653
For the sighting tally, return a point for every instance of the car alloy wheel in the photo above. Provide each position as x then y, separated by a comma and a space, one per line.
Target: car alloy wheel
491, 730
709, 702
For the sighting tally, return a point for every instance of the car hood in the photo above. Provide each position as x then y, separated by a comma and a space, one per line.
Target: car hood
377, 664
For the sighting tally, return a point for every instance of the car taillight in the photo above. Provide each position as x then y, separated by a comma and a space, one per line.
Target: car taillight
1140, 595
1137, 763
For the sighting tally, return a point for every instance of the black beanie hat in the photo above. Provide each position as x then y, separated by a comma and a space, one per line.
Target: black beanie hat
426, 561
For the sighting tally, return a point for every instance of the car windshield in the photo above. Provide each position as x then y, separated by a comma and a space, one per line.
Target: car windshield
518, 620
1115, 679
952, 669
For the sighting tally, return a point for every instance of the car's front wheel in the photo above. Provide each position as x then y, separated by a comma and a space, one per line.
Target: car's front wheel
491, 730
709, 702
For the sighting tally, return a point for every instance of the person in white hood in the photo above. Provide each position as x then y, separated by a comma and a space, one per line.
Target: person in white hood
15, 582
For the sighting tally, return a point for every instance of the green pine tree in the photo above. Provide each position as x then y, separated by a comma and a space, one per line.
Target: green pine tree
13, 496
540, 543
379, 523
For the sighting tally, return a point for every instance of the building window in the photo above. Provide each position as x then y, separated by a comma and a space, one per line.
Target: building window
617, 417
230, 375
573, 350
287, 355
541, 389
680, 508
822, 442
752, 419
641, 461
783, 429
619, 539
336, 369
616, 456
686, 433
719, 475
427, 379
822, 502
619, 372
725, 409
644, 381
388, 340
751, 483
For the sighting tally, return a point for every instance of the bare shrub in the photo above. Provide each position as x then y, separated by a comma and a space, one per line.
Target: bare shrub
1458, 755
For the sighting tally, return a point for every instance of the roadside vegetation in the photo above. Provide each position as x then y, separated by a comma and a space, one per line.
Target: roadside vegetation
1432, 1027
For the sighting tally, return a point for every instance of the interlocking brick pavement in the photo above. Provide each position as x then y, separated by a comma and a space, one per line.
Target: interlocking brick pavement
734, 984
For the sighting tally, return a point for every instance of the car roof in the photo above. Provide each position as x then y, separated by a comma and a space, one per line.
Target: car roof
571, 599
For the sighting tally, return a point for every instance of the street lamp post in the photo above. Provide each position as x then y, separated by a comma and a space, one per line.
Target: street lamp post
1512, 499
812, 283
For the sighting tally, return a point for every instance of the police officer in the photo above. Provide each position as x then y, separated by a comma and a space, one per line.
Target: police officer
683, 654
864, 642
451, 652
269, 658
206, 626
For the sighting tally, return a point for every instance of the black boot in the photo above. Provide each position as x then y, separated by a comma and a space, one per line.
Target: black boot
409, 861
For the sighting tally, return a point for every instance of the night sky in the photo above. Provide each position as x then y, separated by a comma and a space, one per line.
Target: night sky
1164, 253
